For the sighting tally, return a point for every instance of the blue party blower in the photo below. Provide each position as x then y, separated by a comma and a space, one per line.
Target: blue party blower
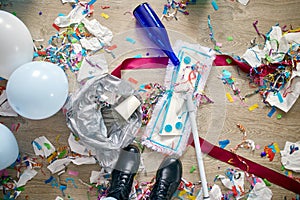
155, 30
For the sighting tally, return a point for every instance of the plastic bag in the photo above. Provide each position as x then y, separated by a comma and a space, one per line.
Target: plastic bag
92, 117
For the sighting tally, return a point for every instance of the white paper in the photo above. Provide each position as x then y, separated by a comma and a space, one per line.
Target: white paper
76, 146
44, 151
95, 176
27, 175
290, 98
92, 66
74, 17
103, 34
291, 160
252, 56
59, 165
92, 44
5, 108
260, 191
68, 1
84, 160
237, 182
215, 193
244, 2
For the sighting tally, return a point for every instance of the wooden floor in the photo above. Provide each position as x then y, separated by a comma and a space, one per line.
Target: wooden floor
232, 19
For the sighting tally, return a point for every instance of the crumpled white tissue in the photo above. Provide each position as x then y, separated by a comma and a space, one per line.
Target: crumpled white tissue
102, 33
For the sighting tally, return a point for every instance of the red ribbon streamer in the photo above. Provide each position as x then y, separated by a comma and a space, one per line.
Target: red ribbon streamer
248, 166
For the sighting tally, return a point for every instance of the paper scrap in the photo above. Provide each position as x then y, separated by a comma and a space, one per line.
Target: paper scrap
5, 108
59, 165
26, 176
42, 147
76, 15
215, 193
260, 191
102, 33
290, 156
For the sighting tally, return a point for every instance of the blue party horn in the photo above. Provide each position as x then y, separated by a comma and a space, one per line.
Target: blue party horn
155, 30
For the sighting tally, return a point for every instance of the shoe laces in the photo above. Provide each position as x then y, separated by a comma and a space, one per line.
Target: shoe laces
123, 185
162, 190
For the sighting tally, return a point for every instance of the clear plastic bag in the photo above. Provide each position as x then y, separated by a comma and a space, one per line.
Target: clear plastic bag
91, 115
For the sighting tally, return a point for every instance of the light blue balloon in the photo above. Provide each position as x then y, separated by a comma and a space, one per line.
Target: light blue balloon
9, 149
37, 90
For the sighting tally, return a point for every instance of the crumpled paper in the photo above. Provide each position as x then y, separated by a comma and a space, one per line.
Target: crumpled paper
260, 191
276, 48
215, 193
102, 33
76, 15
278, 44
237, 181
290, 156
292, 90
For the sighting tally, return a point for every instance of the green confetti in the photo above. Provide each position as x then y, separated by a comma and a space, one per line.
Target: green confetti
22, 188
217, 48
279, 116
229, 61
267, 182
48, 146
193, 168
62, 154
229, 38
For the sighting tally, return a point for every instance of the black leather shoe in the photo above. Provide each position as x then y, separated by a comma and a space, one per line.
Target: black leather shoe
168, 178
124, 172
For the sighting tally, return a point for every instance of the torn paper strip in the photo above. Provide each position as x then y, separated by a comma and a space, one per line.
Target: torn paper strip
59, 165
5, 108
84, 160
26, 176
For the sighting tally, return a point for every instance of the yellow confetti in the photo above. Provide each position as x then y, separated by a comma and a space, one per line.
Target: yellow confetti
104, 15
276, 147
181, 193
254, 106
229, 97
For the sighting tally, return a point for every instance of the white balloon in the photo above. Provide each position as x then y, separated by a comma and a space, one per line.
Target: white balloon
37, 90
16, 44
9, 149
